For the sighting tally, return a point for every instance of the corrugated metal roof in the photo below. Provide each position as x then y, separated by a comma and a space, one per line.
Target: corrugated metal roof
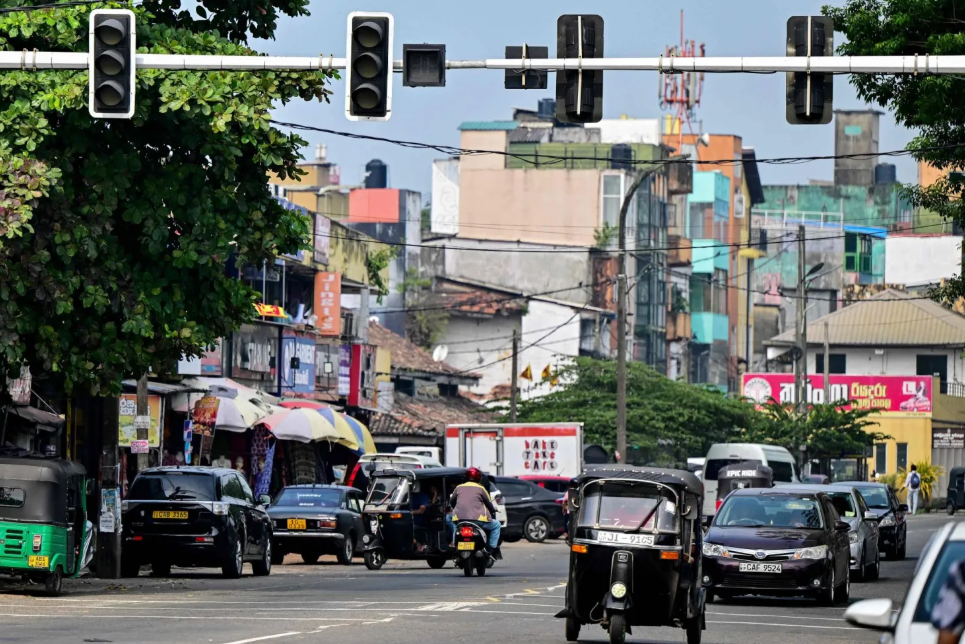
873, 231
160, 388
505, 126
530, 135
890, 318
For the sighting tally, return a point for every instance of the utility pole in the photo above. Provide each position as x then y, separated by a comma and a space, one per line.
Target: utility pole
514, 386
800, 365
143, 411
827, 366
109, 541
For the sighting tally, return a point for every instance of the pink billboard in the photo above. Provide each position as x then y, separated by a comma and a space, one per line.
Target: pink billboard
891, 395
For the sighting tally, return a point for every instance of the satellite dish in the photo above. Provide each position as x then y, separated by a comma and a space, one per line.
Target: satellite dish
439, 353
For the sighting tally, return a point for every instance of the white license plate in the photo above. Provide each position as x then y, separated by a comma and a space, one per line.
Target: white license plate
760, 567
624, 538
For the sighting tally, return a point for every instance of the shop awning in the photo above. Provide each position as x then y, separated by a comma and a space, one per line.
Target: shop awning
43, 420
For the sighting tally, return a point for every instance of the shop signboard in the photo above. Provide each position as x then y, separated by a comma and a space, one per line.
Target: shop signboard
254, 349
362, 383
328, 301
322, 241
298, 362
344, 369
211, 361
203, 419
890, 395
951, 438
127, 430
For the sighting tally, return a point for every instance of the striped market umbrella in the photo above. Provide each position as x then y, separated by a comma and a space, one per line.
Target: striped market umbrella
348, 437
302, 425
364, 433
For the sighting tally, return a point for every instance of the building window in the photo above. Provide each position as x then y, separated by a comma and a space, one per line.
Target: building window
881, 458
903, 456
838, 363
932, 366
720, 291
612, 198
695, 228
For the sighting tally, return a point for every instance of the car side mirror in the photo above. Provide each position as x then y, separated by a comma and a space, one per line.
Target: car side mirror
903, 508
870, 516
841, 526
264, 500
875, 614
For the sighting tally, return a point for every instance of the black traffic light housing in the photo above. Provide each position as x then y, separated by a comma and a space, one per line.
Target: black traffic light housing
579, 93
526, 78
111, 66
810, 95
369, 66
423, 65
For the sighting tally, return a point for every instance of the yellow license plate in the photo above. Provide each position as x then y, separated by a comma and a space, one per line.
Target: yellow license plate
296, 524
38, 562
466, 545
165, 514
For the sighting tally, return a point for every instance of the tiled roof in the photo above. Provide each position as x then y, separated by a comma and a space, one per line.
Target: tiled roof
467, 298
407, 356
890, 318
488, 126
427, 416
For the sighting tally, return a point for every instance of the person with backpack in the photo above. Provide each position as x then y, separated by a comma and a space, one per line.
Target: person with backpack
913, 483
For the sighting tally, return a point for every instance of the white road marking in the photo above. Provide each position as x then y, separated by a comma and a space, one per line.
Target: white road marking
447, 606
192, 617
265, 637
828, 628
807, 617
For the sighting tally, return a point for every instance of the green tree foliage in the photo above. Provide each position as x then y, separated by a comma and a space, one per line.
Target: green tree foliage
929, 104
115, 235
667, 421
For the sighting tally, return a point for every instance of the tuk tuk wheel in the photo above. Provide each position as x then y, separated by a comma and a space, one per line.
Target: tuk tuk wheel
694, 630
375, 559
951, 507
618, 629
54, 584
572, 629
437, 562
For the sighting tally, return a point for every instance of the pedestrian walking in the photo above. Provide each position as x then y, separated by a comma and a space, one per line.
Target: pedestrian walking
948, 614
913, 484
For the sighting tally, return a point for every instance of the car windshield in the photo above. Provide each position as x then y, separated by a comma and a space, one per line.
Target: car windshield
309, 498
173, 486
389, 490
952, 552
875, 497
844, 504
627, 507
770, 511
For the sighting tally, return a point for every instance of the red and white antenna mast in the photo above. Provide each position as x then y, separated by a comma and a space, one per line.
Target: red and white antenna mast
680, 92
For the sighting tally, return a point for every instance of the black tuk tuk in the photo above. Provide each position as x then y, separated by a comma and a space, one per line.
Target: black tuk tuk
635, 551
395, 528
956, 490
742, 475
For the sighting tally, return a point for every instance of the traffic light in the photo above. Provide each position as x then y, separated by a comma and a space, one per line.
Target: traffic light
369, 64
809, 95
111, 62
579, 93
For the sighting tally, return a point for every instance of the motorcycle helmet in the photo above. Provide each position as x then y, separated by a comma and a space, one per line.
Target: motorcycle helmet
474, 475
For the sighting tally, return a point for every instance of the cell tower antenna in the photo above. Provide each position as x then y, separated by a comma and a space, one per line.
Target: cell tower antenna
680, 92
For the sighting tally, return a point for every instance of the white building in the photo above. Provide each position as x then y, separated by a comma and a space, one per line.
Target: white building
922, 260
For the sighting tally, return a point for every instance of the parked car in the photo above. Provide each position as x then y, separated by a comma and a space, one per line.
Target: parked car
778, 541
892, 527
194, 517
533, 512
911, 624
720, 455
863, 537
556, 484
816, 479
316, 520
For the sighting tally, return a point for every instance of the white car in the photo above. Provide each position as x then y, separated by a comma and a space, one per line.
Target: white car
912, 623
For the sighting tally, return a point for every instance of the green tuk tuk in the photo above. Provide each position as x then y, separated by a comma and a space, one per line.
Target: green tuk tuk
44, 532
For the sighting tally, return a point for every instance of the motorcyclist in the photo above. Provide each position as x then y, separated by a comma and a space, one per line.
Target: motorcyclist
470, 502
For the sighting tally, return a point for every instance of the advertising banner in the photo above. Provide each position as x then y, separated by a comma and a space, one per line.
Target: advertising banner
344, 369
890, 395
328, 300
128, 412
323, 239
298, 362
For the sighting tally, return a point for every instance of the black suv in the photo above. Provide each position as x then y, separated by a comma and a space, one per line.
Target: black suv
194, 516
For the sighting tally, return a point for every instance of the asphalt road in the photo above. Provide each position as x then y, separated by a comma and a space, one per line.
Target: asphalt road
405, 603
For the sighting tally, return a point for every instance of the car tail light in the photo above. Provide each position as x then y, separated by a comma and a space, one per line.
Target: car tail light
355, 471
466, 531
204, 539
138, 538
220, 509
719, 503
38, 541
327, 523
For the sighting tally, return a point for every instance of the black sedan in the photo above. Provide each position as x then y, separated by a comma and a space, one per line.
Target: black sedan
194, 516
777, 542
892, 527
531, 511
316, 520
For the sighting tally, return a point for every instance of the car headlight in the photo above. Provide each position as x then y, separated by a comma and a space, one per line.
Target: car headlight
618, 590
887, 522
713, 550
814, 552
853, 537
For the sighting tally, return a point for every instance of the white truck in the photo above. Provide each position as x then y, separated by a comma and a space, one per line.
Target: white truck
519, 449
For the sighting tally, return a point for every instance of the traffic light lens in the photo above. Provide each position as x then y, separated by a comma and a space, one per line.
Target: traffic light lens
367, 96
110, 63
110, 94
110, 32
369, 34
368, 66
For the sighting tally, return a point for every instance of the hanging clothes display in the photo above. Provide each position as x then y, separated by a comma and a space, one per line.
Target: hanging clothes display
263, 481
302, 458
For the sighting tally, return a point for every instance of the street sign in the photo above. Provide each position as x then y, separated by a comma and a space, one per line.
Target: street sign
142, 422
140, 447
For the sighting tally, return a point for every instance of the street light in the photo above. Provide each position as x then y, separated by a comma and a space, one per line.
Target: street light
814, 269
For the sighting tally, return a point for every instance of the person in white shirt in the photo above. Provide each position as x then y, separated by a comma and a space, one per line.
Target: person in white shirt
913, 484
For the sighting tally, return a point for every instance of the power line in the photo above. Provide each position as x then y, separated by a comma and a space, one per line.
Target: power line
60, 5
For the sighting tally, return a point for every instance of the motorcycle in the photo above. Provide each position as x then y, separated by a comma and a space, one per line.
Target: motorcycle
471, 550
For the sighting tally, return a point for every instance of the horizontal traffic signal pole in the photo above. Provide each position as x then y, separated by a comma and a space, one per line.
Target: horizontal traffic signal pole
39, 60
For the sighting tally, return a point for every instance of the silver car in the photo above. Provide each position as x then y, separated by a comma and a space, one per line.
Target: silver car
863, 536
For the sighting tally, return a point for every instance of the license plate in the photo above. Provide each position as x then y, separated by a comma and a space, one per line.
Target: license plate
38, 562
760, 567
296, 524
169, 514
624, 538
466, 545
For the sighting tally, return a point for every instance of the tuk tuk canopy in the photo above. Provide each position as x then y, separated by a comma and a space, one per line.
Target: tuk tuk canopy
35, 490
674, 478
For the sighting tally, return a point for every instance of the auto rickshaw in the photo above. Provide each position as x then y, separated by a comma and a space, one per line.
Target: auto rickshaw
741, 475
393, 530
635, 551
956, 490
44, 532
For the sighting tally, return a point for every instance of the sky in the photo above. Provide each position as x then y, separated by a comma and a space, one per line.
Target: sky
749, 105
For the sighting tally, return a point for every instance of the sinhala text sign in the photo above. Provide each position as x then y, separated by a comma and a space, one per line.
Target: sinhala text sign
891, 395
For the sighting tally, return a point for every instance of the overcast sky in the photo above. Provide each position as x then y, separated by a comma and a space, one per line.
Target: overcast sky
748, 105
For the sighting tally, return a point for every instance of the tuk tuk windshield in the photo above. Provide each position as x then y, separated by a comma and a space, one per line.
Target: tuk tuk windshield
628, 507
388, 490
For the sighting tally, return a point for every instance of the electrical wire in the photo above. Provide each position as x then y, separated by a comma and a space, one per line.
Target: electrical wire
59, 5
